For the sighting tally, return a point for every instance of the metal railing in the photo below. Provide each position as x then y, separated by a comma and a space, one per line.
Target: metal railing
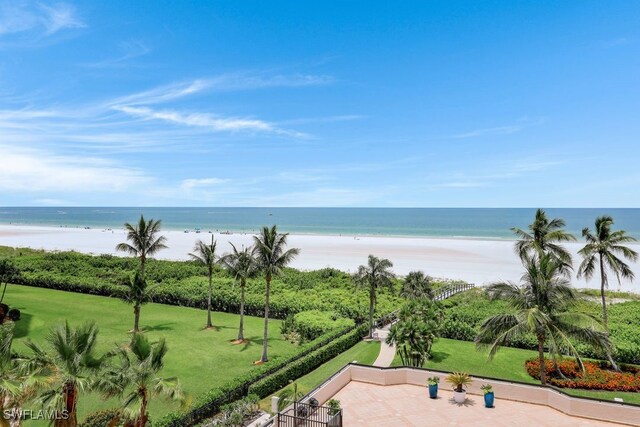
306, 415
451, 290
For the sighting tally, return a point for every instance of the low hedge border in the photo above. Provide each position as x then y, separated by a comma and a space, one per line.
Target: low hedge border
266, 380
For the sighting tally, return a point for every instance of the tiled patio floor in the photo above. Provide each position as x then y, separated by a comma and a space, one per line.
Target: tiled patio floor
368, 405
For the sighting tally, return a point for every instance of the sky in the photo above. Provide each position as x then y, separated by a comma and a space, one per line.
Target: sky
320, 103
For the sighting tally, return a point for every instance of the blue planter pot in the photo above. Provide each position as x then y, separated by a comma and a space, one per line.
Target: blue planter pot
433, 391
488, 400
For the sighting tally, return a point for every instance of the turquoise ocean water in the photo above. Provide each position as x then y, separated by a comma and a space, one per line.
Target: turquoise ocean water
418, 222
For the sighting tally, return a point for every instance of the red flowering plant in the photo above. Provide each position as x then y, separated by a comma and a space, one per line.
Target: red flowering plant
596, 376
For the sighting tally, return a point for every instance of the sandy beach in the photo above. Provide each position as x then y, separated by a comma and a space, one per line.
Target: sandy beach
475, 261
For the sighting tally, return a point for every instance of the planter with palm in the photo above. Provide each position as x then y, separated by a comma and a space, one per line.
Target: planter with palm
543, 307
271, 257
242, 266
205, 255
374, 276
459, 380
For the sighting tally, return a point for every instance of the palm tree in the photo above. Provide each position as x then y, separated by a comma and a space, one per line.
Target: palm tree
271, 258
72, 365
288, 396
144, 239
8, 273
603, 248
137, 293
206, 255
542, 307
376, 274
414, 333
136, 378
242, 266
544, 236
416, 285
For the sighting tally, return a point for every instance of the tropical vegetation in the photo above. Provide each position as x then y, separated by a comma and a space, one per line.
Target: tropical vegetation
375, 275
205, 255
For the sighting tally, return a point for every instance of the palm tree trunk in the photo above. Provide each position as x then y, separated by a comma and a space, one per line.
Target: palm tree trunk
142, 416
543, 374
3, 291
603, 282
70, 398
372, 298
264, 357
241, 328
136, 318
209, 324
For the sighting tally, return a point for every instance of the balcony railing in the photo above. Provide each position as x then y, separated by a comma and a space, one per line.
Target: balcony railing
306, 415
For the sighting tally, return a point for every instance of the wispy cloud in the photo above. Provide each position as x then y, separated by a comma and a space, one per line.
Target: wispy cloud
38, 170
613, 42
130, 50
24, 18
212, 122
498, 130
224, 82
192, 183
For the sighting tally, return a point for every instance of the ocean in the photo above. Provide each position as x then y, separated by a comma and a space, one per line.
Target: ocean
481, 223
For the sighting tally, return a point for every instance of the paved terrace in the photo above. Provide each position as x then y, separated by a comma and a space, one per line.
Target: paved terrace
372, 396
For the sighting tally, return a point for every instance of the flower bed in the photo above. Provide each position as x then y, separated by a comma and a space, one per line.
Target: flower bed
596, 376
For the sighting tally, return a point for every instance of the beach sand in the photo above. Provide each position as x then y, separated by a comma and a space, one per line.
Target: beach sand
473, 260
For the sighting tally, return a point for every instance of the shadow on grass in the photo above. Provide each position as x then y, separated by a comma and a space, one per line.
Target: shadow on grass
439, 356
159, 327
23, 326
249, 341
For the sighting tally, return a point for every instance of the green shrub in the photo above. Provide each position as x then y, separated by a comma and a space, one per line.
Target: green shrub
101, 418
309, 325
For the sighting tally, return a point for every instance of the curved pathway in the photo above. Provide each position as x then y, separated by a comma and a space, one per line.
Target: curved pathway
388, 352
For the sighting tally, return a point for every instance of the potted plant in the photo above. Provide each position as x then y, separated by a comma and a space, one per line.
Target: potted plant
488, 395
334, 411
458, 380
433, 386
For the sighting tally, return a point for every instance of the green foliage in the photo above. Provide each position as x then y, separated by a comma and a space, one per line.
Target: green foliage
101, 418
309, 325
466, 311
185, 283
307, 363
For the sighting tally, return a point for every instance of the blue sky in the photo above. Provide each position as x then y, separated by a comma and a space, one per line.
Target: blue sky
350, 103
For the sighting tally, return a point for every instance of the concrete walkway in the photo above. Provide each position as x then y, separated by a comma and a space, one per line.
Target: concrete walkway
387, 352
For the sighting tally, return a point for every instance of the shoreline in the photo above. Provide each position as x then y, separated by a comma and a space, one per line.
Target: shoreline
478, 261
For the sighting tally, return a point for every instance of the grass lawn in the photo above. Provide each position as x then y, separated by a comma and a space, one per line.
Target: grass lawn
364, 352
201, 359
453, 355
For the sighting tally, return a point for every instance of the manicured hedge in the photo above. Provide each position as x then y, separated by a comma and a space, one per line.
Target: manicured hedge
259, 381
185, 283
281, 378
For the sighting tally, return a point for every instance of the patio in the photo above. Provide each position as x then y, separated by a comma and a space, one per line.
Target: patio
366, 404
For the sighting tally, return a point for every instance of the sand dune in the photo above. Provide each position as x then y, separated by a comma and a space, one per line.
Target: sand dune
475, 261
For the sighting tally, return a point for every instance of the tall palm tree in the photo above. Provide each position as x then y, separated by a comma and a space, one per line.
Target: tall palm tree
544, 236
137, 293
206, 255
603, 248
143, 240
242, 266
8, 273
373, 276
416, 285
72, 365
271, 256
542, 305
136, 378
414, 333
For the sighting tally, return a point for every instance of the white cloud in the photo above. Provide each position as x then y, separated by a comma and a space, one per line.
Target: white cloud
18, 17
131, 49
210, 121
190, 184
499, 130
32, 170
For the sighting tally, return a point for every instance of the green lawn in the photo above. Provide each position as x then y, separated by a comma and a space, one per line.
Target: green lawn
453, 355
364, 352
202, 359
